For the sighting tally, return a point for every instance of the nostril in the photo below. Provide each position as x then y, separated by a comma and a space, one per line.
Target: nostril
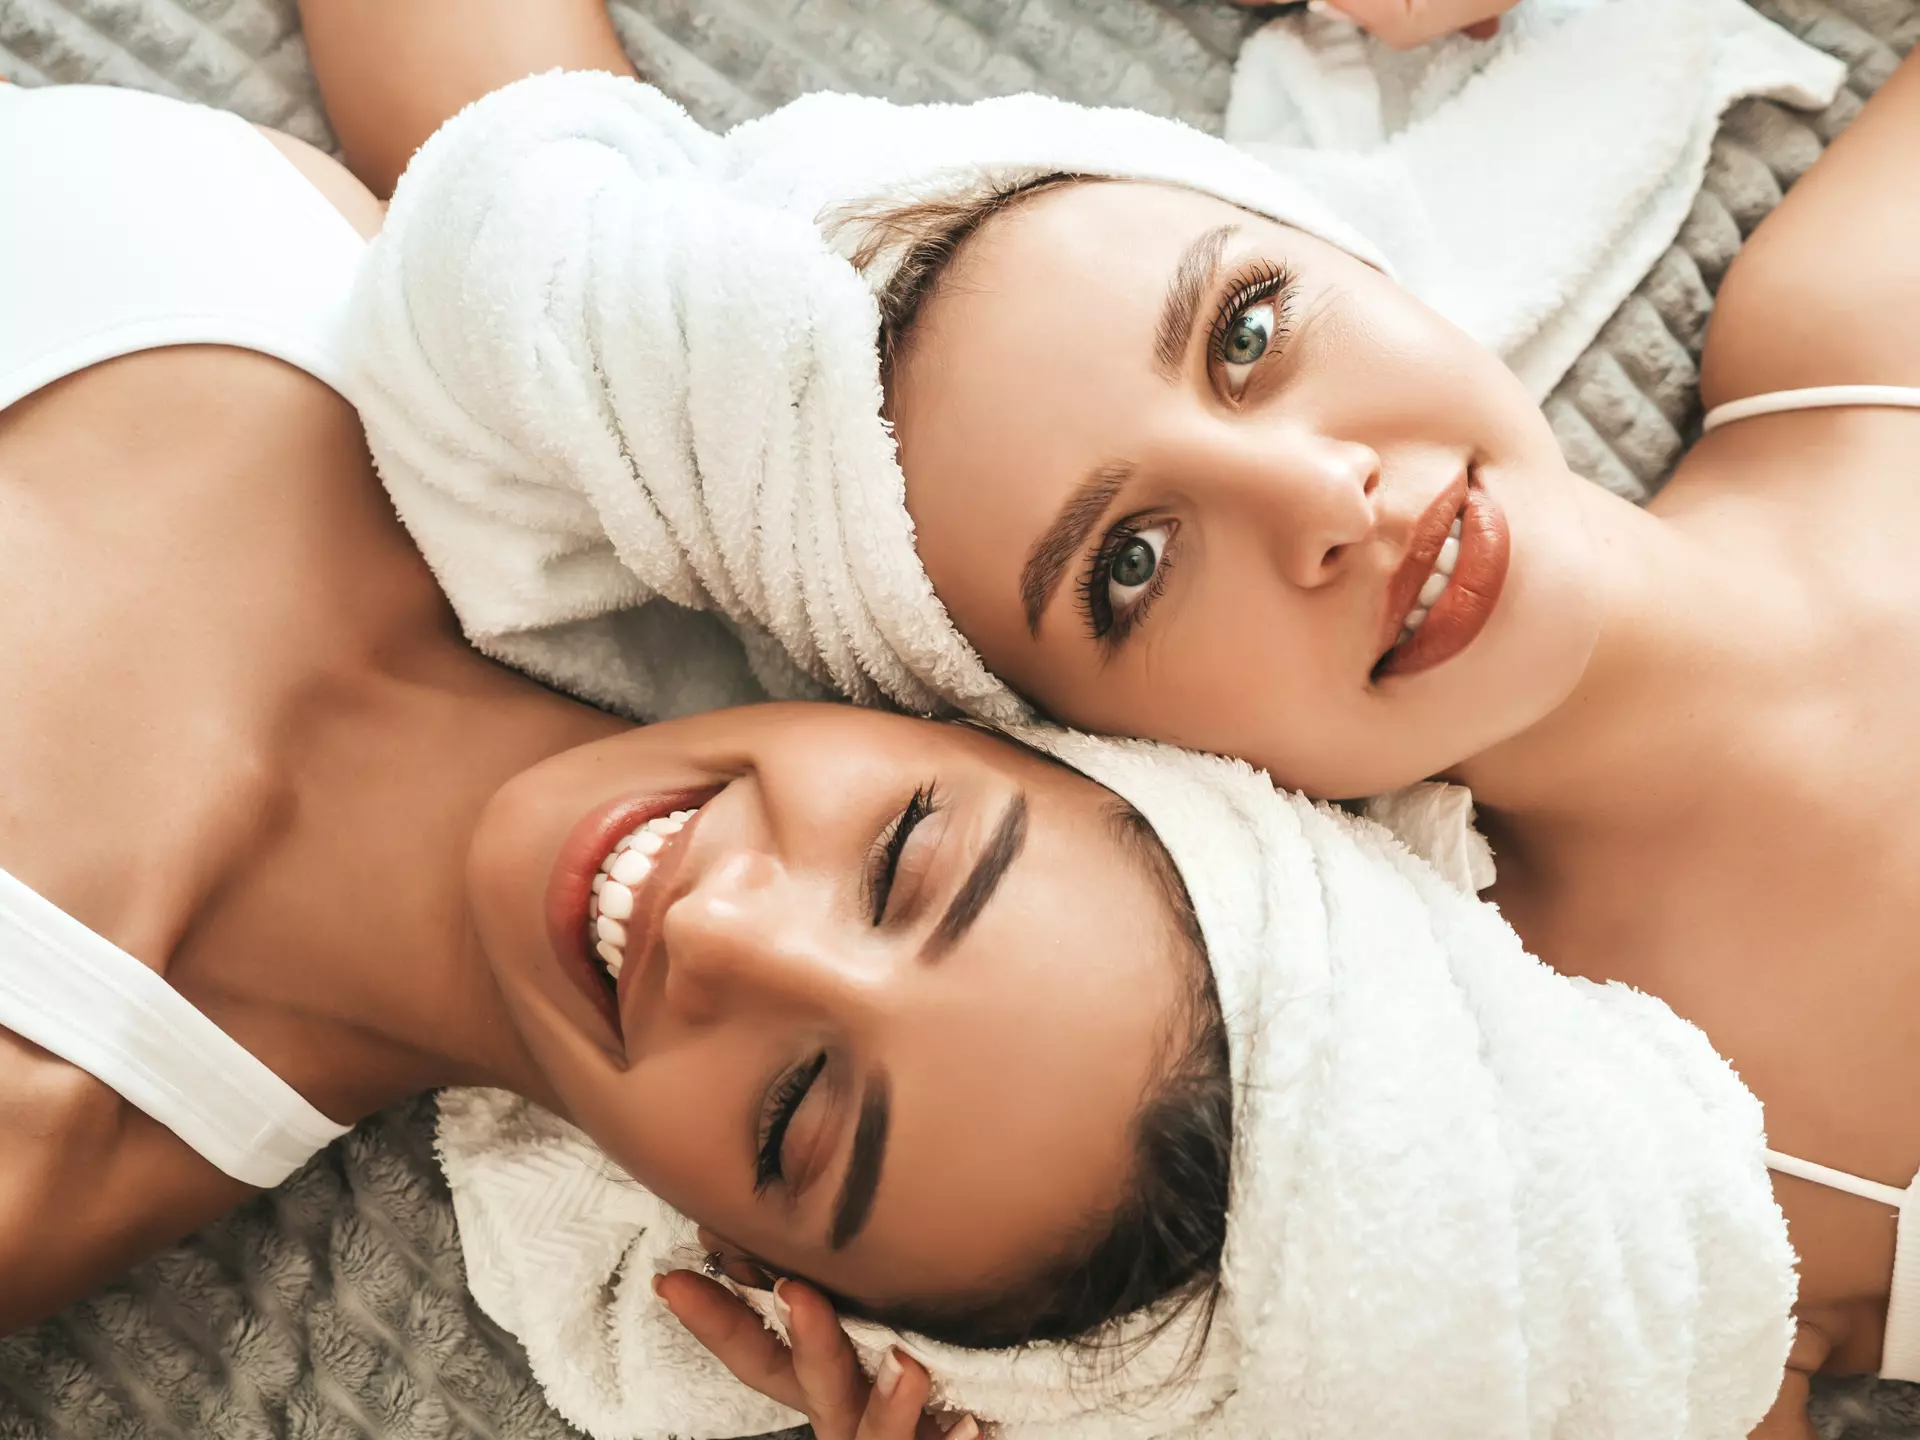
1332, 557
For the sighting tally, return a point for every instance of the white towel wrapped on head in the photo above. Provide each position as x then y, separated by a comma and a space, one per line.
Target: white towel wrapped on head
1471, 1199
603, 356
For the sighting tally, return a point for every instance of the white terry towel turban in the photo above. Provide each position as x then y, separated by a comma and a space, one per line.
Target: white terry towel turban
605, 356
1471, 1199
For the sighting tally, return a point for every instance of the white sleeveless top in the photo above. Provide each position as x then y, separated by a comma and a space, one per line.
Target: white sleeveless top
1900, 1350
130, 222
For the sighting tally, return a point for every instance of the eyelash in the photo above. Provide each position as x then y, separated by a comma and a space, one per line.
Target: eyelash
1262, 280
1096, 607
783, 1102
883, 858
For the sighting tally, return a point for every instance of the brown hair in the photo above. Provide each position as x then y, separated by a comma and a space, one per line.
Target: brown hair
929, 234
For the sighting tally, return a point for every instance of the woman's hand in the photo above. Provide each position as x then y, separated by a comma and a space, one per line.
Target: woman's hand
1404, 24
819, 1376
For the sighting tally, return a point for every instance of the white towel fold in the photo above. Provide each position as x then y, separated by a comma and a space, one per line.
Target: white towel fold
1472, 1199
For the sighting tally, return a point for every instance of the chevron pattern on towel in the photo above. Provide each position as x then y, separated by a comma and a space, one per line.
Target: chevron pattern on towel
335, 1307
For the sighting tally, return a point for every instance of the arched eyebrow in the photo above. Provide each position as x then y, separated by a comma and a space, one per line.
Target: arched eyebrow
1192, 278
1053, 552
862, 1179
996, 858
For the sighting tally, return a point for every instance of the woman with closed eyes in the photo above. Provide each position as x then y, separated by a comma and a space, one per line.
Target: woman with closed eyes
280, 848
1178, 469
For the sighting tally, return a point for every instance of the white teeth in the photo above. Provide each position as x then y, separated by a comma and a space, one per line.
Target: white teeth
630, 867
1414, 617
612, 956
1430, 592
1453, 530
625, 869
1449, 556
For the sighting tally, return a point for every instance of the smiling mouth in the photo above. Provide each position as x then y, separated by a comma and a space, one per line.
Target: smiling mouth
619, 884
1437, 582
606, 897
1449, 581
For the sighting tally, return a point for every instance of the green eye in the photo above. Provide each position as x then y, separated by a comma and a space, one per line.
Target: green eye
1247, 338
1134, 565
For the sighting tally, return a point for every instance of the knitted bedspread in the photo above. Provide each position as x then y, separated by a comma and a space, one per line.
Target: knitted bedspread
335, 1306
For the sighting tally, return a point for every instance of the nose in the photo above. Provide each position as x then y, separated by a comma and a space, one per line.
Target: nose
1310, 496
750, 936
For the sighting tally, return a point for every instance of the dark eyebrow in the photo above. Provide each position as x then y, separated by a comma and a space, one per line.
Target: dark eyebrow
1192, 278
996, 858
850, 1211
1047, 561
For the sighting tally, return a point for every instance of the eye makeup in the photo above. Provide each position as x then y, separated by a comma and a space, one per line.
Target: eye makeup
782, 1104
1259, 281
883, 858
1106, 623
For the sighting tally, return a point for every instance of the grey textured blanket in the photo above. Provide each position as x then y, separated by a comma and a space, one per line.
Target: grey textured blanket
335, 1306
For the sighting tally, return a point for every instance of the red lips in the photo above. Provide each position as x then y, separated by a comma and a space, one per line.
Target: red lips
571, 883
1462, 610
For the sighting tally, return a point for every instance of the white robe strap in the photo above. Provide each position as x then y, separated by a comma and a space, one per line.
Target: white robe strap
1900, 1346
78, 995
1822, 397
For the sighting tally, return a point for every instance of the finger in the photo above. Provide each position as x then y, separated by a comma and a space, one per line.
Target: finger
899, 1396
1404, 24
1485, 30
738, 1338
823, 1361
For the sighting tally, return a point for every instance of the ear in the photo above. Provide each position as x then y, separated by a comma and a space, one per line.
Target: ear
736, 1261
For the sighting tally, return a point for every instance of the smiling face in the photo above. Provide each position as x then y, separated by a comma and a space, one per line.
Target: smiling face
889, 996
1181, 472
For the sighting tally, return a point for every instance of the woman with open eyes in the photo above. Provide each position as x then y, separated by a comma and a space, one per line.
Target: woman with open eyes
1179, 471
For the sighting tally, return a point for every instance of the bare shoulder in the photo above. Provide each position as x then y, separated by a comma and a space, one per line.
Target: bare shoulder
333, 180
88, 1185
1827, 291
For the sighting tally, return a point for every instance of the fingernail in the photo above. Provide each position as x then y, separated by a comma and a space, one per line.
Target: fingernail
780, 1306
888, 1380
658, 1281
965, 1430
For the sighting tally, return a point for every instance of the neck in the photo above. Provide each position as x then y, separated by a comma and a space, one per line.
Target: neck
347, 945
1673, 674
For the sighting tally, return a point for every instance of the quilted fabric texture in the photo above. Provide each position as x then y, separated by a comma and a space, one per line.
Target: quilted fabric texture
335, 1306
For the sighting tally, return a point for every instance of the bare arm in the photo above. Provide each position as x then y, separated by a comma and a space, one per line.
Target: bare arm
1788, 1419
1826, 290
392, 71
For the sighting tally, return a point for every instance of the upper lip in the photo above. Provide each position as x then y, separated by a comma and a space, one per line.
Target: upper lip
1428, 534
